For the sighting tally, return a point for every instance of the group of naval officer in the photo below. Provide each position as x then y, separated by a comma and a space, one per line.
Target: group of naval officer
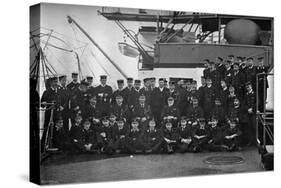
219, 115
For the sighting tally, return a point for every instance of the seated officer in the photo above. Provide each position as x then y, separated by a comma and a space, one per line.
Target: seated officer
91, 110
218, 112
142, 112
119, 109
170, 111
232, 135
61, 137
184, 136
119, 135
104, 136
201, 136
170, 137
216, 136
152, 138
76, 135
89, 139
134, 138
194, 112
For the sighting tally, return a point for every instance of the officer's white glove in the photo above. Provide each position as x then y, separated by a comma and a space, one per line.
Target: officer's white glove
250, 110
61, 108
103, 134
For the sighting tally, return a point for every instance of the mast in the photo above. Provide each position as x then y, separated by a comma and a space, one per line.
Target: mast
71, 20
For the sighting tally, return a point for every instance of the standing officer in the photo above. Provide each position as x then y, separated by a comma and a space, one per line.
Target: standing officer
146, 91
220, 66
215, 75
50, 95
206, 71
137, 86
182, 99
223, 94
228, 73
251, 72
262, 83
119, 91
79, 99
104, 93
158, 100
172, 93
91, 88
64, 101
130, 94
209, 98
74, 84
201, 91
231, 59
250, 105
238, 80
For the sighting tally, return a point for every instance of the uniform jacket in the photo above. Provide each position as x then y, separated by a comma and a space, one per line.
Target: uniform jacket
116, 93
142, 111
193, 113
120, 111
170, 111
103, 94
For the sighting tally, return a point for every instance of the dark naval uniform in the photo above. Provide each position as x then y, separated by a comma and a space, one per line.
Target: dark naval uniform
251, 76
119, 141
208, 100
184, 133
216, 78
134, 140
172, 136
157, 102
250, 103
103, 99
228, 76
170, 111
200, 144
143, 113
194, 113
130, 97
153, 140
120, 111
182, 100
64, 97
238, 82
117, 93
234, 142
216, 139
78, 103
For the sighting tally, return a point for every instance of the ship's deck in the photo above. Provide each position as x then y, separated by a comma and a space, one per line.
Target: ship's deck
93, 168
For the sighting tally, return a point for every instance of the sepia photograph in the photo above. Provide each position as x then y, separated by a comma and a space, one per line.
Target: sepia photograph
122, 93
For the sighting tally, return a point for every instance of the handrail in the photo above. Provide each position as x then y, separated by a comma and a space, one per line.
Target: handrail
261, 116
